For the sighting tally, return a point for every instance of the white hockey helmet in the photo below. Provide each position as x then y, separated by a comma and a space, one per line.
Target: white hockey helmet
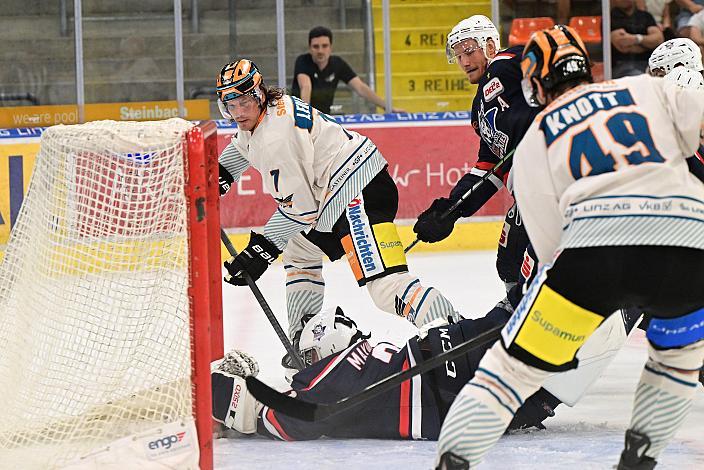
477, 27
686, 78
326, 333
678, 51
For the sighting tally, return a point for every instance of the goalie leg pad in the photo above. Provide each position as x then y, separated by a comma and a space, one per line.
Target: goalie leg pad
233, 405
547, 329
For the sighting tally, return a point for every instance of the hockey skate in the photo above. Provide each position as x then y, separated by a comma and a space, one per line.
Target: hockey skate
633, 456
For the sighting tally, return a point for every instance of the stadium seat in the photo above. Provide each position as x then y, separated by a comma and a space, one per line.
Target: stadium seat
522, 28
588, 27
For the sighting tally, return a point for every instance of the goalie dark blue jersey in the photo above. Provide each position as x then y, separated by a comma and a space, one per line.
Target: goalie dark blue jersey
414, 410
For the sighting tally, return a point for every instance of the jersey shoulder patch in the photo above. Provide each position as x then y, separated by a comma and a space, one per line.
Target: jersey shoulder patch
492, 89
302, 113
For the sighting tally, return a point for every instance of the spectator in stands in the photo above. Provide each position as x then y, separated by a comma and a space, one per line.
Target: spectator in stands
634, 35
317, 73
696, 29
687, 9
660, 9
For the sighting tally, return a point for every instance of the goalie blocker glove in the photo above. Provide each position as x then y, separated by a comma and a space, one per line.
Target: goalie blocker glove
232, 405
254, 260
431, 226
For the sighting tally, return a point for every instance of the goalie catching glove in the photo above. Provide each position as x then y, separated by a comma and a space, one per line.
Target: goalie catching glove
253, 260
431, 226
233, 405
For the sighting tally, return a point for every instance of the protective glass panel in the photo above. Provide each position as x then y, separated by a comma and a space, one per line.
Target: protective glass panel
37, 52
329, 64
421, 77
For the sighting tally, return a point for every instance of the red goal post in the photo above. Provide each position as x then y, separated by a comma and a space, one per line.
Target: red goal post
205, 290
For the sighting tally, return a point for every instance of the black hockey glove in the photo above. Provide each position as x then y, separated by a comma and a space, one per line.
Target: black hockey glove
431, 227
254, 259
225, 180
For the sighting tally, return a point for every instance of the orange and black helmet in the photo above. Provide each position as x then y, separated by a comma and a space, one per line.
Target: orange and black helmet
238, 78
551, 57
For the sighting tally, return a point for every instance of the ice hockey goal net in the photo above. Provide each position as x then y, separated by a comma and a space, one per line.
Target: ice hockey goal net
107, 287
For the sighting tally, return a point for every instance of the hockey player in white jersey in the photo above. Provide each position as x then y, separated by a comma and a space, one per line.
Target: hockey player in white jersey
334, 194
617, 221
675, 52
680, 60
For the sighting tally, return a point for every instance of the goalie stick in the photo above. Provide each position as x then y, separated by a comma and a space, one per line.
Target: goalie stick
308, 411
469, 192
295, 358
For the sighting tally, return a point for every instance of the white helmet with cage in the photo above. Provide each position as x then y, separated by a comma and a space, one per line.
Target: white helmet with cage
477, 27
686, 78
326, 333
678, 51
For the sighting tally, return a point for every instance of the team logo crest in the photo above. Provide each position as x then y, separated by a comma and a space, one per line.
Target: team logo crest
285, 202
318, 331
497, 140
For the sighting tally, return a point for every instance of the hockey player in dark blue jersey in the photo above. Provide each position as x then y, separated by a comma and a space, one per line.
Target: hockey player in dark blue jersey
342, 362
500, 117
415, 410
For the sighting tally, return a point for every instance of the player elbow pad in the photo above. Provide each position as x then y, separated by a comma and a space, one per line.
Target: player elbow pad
225, 180
479, 196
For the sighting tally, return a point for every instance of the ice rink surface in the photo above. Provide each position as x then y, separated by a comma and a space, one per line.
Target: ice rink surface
588, 436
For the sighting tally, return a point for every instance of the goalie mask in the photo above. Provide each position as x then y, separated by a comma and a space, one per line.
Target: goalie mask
669, 54
476, 27
326, 333
235, 80
553, 57
686, 78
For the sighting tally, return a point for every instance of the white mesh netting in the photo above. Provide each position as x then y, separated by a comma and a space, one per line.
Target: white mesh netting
94, 317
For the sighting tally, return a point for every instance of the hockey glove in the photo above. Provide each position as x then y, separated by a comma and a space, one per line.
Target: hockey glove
254, 260
225, 180
431, 227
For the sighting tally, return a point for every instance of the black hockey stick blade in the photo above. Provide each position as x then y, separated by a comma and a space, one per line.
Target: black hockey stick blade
307, 411
281, 402
296, 358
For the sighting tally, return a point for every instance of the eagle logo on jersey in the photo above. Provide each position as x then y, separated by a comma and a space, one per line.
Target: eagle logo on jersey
494, 138
285, 202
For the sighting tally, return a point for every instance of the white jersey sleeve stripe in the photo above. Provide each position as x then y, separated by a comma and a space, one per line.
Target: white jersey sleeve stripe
348, 159
280, 228
352, 187
233, 161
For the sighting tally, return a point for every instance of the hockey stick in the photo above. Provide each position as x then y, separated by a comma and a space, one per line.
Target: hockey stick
308, 411
265, 306
469, 192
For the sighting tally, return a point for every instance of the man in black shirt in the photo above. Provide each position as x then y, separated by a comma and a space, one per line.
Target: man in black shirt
634, 35
316, 74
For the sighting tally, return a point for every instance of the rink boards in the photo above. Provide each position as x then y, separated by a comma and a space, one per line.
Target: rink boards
427, 154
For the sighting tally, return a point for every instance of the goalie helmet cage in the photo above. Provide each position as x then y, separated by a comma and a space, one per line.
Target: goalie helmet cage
111, 301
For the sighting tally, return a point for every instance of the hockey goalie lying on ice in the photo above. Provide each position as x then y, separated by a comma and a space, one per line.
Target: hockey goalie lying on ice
342, 362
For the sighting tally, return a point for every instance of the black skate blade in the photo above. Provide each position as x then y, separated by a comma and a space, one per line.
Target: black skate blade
280, 402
